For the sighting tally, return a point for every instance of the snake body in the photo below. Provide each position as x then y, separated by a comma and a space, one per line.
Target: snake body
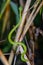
17, 43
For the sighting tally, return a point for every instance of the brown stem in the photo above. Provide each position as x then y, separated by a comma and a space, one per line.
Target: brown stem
3, 58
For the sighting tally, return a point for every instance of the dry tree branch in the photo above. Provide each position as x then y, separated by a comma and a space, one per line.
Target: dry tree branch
28, 25
23, 20
30, 21
3, 58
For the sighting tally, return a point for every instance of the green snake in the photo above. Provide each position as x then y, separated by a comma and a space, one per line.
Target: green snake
17, 43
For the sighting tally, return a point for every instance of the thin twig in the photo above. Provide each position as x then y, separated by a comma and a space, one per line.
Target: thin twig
6, 54
2, 41
11, 57
27, 44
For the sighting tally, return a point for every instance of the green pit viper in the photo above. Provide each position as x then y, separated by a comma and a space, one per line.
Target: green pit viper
17, 43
